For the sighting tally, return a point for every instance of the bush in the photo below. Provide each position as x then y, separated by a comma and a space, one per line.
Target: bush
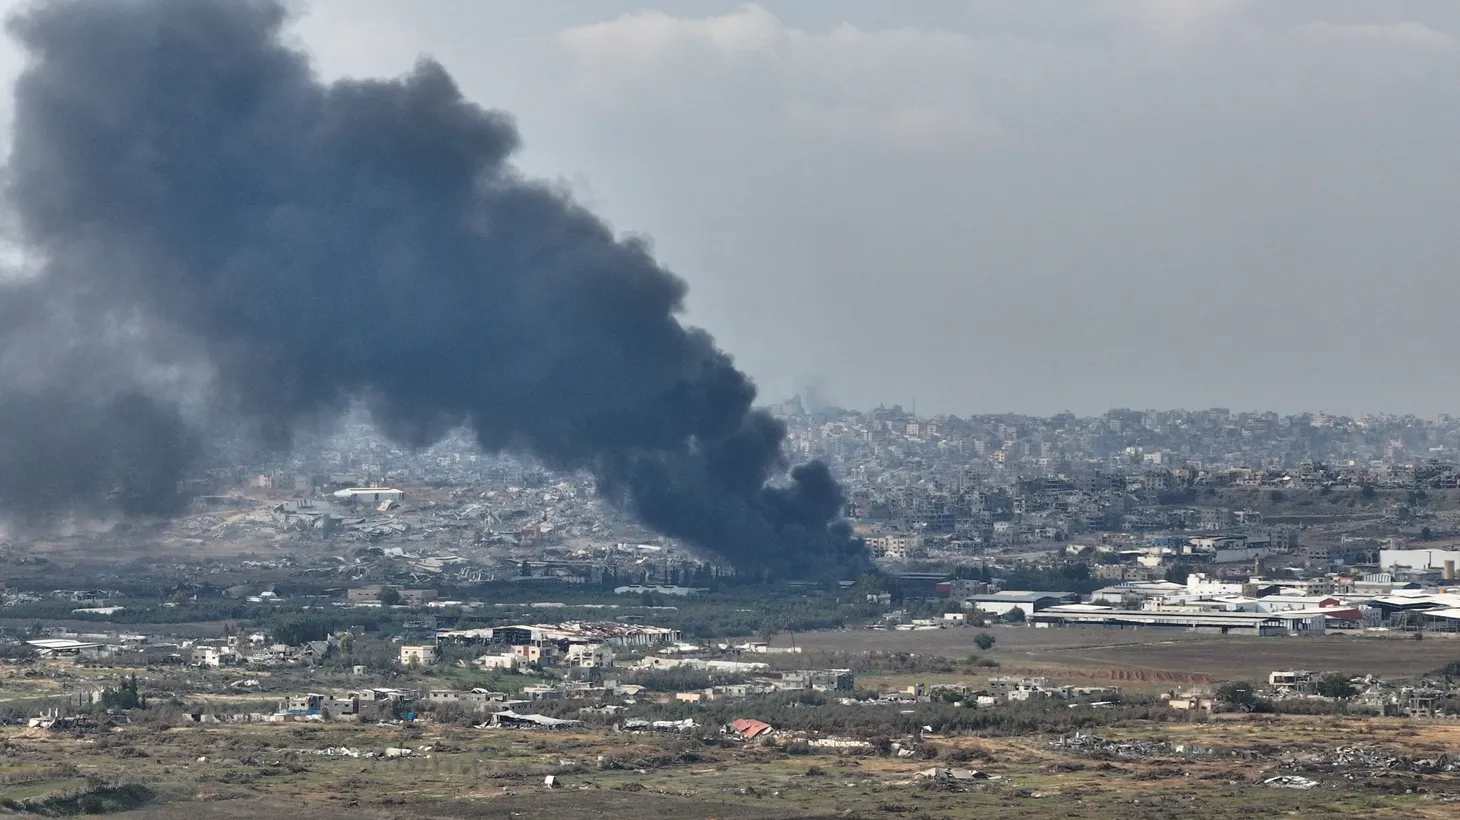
1240, 695
1335, 685
984, 641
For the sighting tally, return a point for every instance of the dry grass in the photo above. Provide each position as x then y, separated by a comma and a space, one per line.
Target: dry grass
1155, 656
265, 771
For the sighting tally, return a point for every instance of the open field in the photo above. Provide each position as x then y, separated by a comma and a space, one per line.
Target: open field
1211, 770
1154, 656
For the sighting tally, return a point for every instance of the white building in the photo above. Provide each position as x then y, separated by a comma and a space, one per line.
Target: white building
590, 656
372, 495
418, 655
214, 656
506, 661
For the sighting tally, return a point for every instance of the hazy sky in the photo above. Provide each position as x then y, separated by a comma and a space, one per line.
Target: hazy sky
1020, 205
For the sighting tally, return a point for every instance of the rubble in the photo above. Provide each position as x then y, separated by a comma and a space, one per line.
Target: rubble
1289, 781
1349, 762
1375, 759
941, 773
1101, 749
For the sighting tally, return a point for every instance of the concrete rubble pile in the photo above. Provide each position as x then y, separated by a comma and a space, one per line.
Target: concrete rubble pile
1101, 749
1352, 760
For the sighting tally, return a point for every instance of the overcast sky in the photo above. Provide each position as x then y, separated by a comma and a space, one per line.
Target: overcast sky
1005, 205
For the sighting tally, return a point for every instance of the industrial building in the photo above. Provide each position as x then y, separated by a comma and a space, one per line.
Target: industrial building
1002, 603
1293, 622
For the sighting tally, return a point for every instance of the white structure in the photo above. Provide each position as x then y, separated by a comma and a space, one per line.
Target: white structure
590, 656
419, 655
1200, 586
214, 656
372, 495
507, 661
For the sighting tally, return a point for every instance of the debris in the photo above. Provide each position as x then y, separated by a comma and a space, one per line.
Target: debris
941, 773
338, 751
750, 728
1290, 781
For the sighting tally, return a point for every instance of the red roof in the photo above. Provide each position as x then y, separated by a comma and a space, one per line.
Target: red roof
750, 727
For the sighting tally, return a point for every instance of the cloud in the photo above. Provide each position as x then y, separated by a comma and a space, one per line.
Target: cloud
906, 87
649, 35
1177, 21
1408, 34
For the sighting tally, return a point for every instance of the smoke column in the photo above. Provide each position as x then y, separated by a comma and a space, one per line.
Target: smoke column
206, 212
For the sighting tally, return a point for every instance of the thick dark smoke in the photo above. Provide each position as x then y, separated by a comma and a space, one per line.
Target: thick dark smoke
203, 203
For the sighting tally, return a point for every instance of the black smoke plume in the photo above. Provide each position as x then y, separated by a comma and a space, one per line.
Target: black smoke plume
206, 211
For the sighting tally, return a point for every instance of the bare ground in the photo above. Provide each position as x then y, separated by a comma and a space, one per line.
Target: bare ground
1155, 655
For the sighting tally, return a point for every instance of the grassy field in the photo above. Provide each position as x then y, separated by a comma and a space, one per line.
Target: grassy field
1154, 657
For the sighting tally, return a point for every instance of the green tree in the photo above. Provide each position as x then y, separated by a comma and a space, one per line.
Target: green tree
1075, 571
390, 596
1178, 573
126, 696
1335, 685
984, 641
1239, 694
296, 628
769, 629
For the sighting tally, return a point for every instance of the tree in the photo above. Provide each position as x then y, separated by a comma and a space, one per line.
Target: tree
1425, 533
1014, 616
18, 652
390, 596
984, 641
1335, 685
1178, 573
125, 696
296, 629
769, 629
1075, 571
1240, 694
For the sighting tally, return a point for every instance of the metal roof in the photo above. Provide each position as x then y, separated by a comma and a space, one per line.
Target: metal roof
59, 644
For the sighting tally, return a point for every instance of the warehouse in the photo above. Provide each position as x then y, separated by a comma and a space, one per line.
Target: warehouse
1304, 622
1002, 603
